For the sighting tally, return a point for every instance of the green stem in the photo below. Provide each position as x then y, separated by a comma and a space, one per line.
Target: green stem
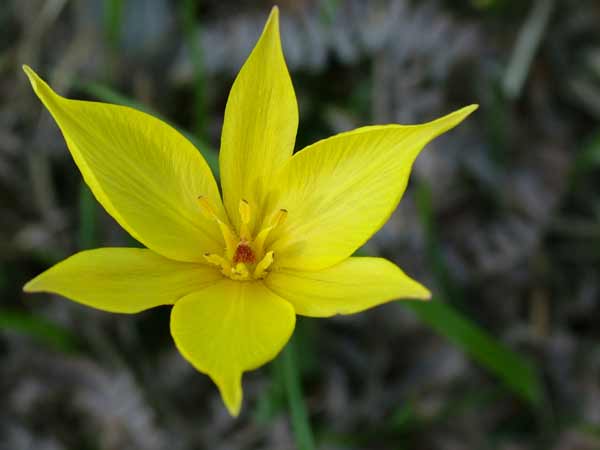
113, 17
190, 26
38, 328
528, 42
293, 390
87, 218
516, 372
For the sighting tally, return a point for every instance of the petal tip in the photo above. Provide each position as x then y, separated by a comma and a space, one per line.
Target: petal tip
453, 119
272, 21
274, 14
231, 392
33, 285
233, 409
29, 287
470, 109
425, 295
39, 86
419, 292
31, 75
465, 112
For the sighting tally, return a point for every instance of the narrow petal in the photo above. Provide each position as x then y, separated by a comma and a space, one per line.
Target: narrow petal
145, 174
339, 191
123, 280
346, 288
261, 119
229, 328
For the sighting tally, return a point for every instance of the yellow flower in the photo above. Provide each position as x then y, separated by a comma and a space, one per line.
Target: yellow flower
237, 270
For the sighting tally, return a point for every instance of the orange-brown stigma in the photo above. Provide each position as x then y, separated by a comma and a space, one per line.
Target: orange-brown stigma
244, 256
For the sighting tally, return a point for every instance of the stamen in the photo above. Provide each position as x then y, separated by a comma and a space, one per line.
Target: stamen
280, 217
245, 211
218, 261
242, 252
245, 214
228, 236
206, 207
261, 268
277, 220
240, 272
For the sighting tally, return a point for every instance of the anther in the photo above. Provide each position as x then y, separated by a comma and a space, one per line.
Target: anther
240, 272
280, 217
218, 261
228, 236
261, 268
244, 257
262, 236
206, 207
245, 211
245, 215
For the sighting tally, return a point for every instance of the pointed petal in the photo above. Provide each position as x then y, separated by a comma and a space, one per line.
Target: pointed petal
261, 119
231, 327
123, 280
339, 191
145, 174
349, 287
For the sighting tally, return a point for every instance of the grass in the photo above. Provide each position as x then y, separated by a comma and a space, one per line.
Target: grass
517, 374
191, 35
41, 330
287, 364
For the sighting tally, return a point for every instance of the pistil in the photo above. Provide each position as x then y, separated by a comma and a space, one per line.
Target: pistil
244, 256
244, 253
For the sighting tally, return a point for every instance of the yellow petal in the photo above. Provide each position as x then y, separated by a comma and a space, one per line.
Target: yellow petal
145, 174
229, 328
349, 287
341, 190
123, 280
261, 119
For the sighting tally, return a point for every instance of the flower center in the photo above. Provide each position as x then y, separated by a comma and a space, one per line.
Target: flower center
244, 256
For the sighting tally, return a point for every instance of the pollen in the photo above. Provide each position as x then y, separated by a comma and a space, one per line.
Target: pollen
245, 256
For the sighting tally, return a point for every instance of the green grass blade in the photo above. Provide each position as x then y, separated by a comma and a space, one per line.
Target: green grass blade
510, 367
528, 42
42, 330
113, 17
516, 373
287, 366
87, 238
190, 28
588, 158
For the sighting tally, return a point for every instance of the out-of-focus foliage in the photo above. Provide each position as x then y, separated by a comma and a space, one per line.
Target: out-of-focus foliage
510, 236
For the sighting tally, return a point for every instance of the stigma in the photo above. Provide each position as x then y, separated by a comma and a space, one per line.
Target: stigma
244, 255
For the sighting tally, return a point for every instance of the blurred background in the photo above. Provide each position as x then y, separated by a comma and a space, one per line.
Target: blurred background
501, 220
